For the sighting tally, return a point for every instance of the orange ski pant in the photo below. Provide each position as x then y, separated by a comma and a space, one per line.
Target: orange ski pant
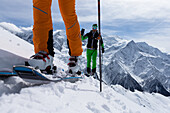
43, 24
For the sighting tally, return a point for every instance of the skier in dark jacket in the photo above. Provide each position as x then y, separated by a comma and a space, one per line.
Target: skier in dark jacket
93, 37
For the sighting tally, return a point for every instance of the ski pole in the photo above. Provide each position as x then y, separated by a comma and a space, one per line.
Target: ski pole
102, 59
99, 47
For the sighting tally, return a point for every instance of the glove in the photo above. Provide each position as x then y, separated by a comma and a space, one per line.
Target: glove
82, 31
98, 38
102, 50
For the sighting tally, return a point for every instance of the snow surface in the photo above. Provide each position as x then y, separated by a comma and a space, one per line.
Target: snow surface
82, 96
63, 97
14, 44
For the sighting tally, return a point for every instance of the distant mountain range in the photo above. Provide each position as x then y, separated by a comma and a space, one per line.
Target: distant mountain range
139, 66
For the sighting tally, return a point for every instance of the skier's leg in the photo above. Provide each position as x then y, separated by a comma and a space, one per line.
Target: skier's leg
68, 12
42, 35
88, 55
42, 29
94, 57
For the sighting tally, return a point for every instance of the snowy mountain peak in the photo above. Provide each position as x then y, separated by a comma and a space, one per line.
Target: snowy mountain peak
141, 62
131, 45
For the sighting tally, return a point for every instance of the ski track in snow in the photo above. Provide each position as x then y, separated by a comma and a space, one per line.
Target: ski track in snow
17, 96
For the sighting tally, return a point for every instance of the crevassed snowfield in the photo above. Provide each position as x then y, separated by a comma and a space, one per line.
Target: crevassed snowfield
83, 96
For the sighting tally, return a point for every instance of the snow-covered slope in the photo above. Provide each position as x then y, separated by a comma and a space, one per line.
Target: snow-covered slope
63, 97
19, 50
9, 59
27, 34
13, 50
14, 44
82, 96
138, 62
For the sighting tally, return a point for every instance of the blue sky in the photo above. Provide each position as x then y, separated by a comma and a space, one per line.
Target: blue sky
146, 20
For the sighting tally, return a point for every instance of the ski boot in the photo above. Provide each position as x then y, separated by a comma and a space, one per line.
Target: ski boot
94, 74
73, 66
43, 61
88, 74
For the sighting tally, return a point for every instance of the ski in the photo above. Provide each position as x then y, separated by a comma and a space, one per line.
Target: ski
29, 74
6, 74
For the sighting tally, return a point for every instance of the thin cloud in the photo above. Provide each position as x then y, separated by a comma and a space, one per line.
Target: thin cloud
137, 19
156, 37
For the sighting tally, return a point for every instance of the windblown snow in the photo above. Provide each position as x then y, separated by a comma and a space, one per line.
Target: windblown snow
63, 97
